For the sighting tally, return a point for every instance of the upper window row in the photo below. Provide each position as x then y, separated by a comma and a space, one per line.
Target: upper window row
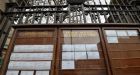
121, 33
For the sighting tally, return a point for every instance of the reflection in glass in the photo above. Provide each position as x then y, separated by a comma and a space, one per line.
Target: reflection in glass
30, 65
67, 55
42, 72
93, 55
132, 32
12, 72
31, 56
91, 47
112, 39
33, 48
80, 55
68, 47
121, 33
111, 33
80, 47
68, 65
27, 72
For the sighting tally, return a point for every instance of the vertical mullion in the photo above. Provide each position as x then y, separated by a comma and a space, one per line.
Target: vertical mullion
106, 20
83, 12
20, 18
69, 13
76, 15
41, 18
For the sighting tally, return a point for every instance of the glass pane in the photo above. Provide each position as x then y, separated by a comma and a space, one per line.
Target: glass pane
68, 55
33, 48
30, 65
111, 33
31, 56
67, 47
12, 72
112, 39
93, 55
80, 47
42, 72
27, 72
121, 33
67, 33
91, 47
80, 55
132, 32
68, 65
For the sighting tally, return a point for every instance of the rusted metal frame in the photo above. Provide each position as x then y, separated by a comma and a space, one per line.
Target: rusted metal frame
106, 19
7, 57
78, 25
105, 52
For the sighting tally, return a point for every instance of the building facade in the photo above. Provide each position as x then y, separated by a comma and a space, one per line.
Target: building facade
70, 37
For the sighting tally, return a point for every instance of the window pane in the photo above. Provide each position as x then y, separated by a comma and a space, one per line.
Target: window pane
12, 72
42, 72
31, 56
30, 65
132, 32
27, 72
112, 39
80, 47
67, 47
33, 48
121, 33
68, 55
93, 55
80, 55
91, 47
68, 65
111, 33
67, 33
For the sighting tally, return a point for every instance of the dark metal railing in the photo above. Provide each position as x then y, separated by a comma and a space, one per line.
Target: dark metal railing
101, 11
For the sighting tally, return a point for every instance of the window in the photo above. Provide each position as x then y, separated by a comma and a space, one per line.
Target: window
116, 36
33, 55
79, 49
